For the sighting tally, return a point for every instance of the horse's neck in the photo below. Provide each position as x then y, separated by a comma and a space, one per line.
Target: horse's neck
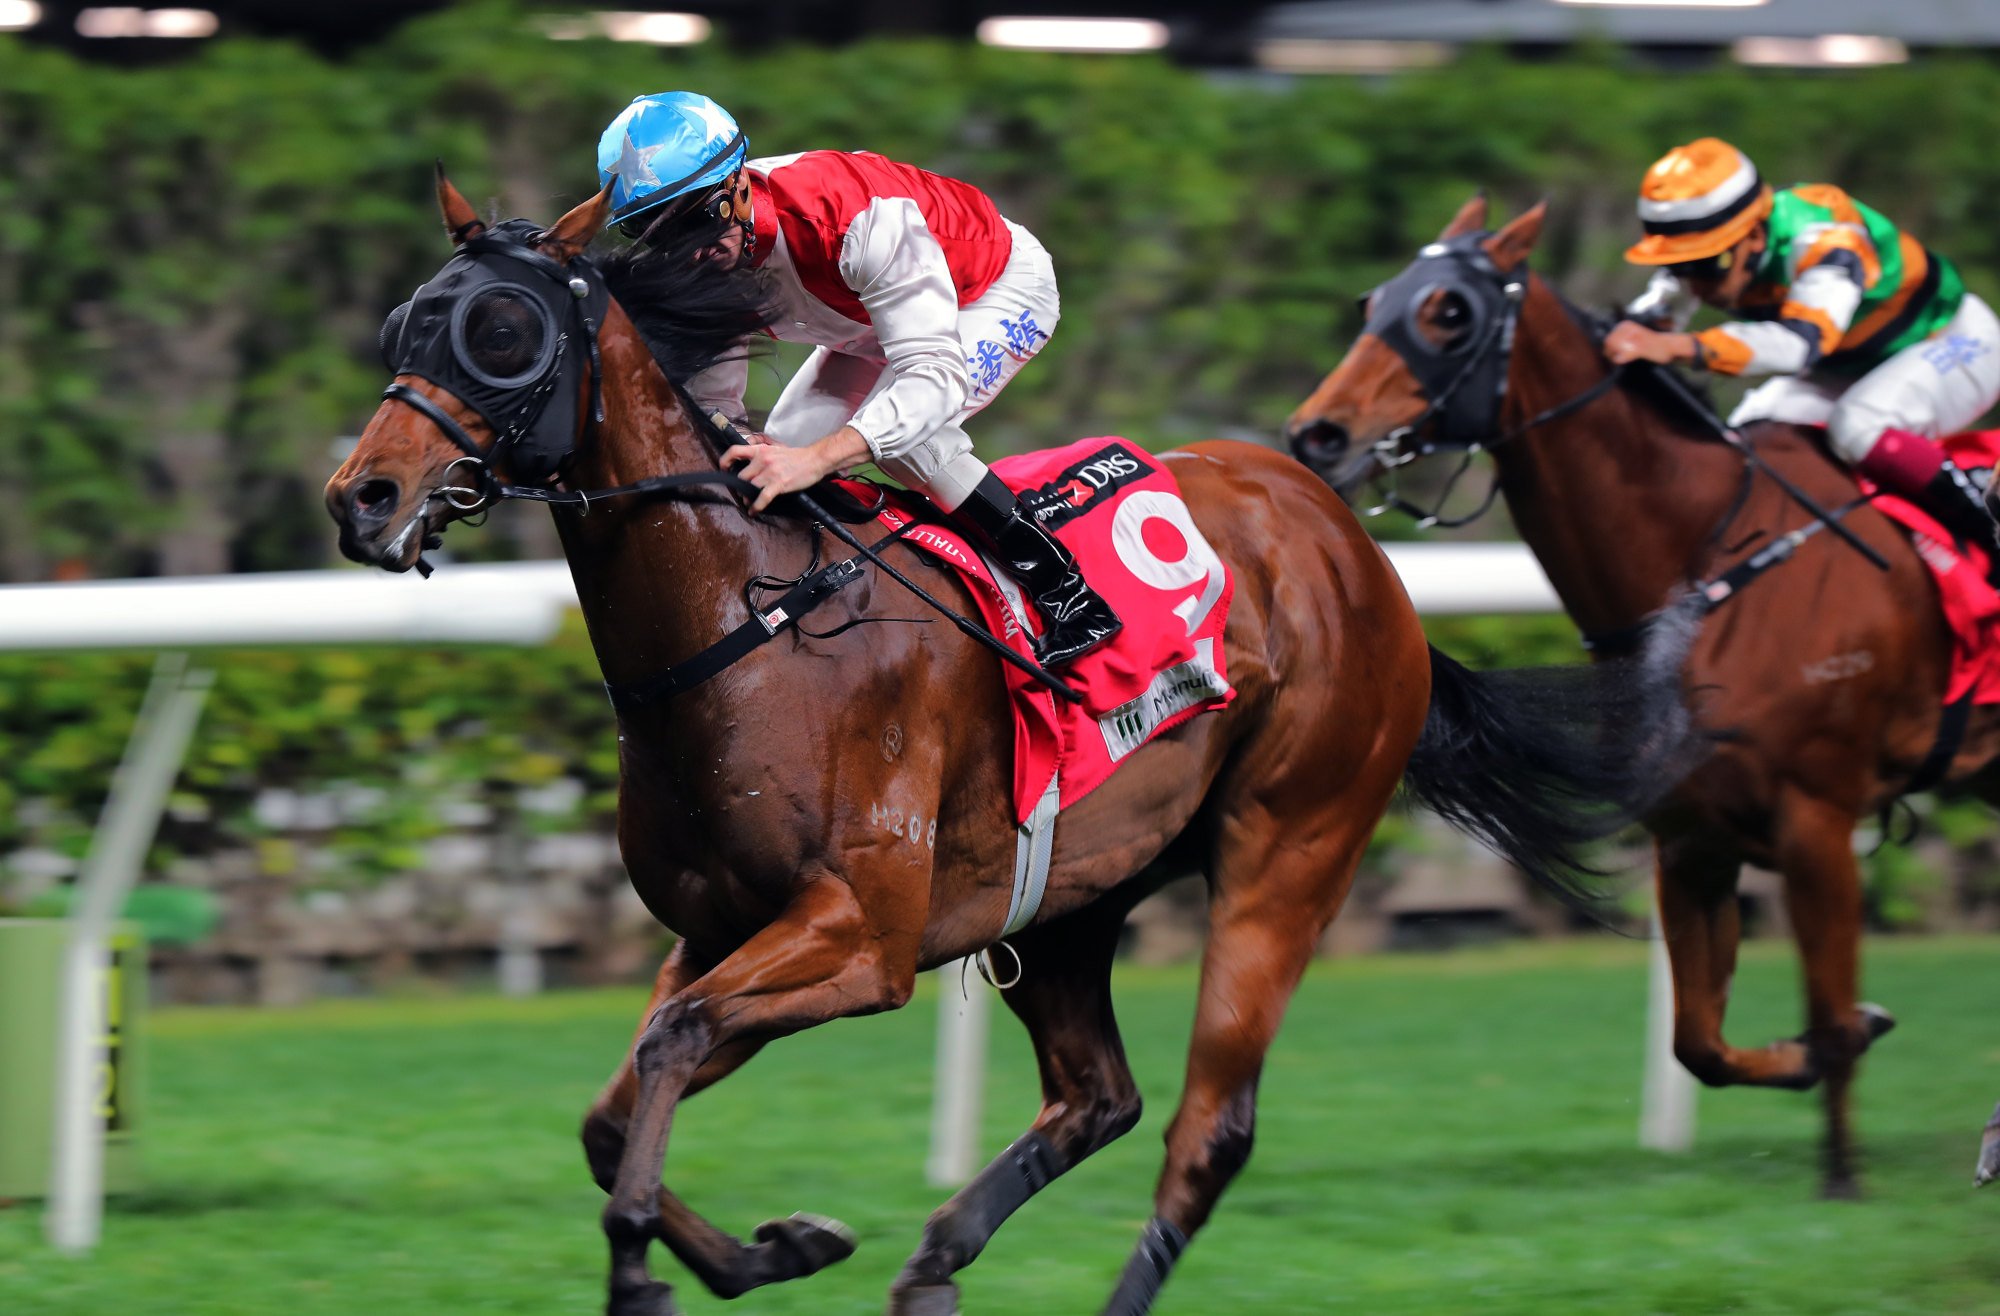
658, 578
1615, 502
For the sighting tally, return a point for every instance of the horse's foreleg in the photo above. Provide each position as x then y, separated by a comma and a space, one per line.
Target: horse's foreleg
1815, 851
819, 960
1088, 1099
1702, 927
721, 1261
604, 1126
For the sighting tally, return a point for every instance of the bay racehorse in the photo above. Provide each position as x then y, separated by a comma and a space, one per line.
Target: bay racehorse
1826, 682
755, 812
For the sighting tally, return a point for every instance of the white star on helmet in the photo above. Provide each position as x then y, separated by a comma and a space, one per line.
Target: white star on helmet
633, 167
720, 129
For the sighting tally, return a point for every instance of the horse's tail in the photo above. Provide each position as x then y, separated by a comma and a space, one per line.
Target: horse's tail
1540, 762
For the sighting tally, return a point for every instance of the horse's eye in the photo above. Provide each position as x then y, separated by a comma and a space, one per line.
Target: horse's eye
1453, 312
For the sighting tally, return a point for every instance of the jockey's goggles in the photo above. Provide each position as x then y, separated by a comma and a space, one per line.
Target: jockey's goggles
727, 200
1706, 269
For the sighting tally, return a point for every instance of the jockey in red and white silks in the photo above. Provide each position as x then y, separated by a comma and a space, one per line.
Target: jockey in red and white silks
922, 302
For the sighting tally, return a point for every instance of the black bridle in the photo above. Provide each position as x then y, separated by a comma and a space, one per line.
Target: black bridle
1464, 383
524, 430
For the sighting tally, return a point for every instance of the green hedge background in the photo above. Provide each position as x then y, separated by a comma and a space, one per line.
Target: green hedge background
194, 259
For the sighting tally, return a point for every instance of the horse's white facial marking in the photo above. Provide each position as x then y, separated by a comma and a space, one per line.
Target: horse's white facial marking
401, 544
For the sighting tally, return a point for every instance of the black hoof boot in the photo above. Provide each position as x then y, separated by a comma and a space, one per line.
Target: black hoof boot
1160, 1246
804, 1244
1077, 618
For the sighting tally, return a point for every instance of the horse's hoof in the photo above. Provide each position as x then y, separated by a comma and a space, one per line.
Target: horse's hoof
649, 1299
1840, 1188
811, 1242
924, 1300
1875, 1019
1988, 1168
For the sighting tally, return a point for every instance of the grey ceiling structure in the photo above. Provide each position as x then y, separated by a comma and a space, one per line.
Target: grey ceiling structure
1916, 23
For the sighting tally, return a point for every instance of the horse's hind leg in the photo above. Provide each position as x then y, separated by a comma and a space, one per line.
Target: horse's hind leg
1088, 1099
1823, 896
1701, 926
1277, 882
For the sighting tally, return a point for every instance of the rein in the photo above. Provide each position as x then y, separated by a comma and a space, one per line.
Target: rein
806, 593
1393, 501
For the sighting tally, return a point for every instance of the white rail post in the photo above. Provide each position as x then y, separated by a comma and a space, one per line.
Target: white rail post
961, 1075
1667, 1102
117, 852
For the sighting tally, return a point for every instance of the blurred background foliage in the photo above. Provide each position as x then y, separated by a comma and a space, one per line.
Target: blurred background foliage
195, 257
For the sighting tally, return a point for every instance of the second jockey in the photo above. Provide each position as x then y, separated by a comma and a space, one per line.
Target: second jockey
922, 301
1869, 333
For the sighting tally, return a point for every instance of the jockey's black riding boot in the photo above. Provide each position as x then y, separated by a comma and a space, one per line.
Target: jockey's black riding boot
1078, 620
1960, 506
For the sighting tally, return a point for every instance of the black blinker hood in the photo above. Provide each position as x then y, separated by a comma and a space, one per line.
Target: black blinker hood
1465, 382
419, 338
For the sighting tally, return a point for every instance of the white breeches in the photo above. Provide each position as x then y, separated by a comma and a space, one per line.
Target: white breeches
1932, 388
1001, 331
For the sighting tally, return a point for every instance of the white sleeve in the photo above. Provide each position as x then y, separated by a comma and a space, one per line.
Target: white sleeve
720, 387
898, 271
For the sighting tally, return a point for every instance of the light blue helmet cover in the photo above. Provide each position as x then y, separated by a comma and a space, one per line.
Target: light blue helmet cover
667, 145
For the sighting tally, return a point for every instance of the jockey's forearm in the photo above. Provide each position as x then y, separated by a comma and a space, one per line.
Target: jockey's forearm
841, 449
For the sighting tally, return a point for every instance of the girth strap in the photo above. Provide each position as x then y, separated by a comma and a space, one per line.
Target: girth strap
795, 603
1950, 736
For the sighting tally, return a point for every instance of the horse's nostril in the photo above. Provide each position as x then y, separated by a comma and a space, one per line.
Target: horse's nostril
373, 500
1319, 440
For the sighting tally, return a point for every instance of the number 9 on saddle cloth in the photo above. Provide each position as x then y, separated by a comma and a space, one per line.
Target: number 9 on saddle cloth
505, 329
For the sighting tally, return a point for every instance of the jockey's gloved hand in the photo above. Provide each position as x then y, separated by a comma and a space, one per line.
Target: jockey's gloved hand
1664, 305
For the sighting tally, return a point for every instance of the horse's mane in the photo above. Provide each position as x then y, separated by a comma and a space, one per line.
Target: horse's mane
692, 313
1643, 380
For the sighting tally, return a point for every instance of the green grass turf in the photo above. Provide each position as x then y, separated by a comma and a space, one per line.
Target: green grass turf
1438, 1134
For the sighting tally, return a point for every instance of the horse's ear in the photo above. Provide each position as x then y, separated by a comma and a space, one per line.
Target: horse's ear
1471, 217
460, 219
1512, 244
568, 236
